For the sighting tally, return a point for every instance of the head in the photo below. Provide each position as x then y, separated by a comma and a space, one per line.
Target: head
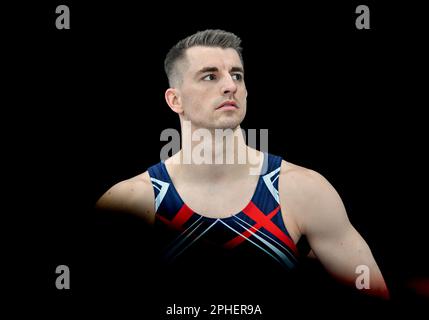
206, 78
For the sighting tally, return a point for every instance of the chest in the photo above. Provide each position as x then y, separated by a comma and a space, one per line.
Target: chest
218, 200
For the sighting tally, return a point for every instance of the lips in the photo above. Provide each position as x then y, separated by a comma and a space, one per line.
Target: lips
229, 105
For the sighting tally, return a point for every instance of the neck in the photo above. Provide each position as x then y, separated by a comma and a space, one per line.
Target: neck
215, 155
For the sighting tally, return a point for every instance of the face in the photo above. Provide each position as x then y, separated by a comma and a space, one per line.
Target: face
212, 93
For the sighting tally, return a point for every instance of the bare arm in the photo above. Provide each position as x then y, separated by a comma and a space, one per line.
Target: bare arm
334, 241
134, 196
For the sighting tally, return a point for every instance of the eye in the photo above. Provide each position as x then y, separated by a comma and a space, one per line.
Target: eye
237, 76
209, 77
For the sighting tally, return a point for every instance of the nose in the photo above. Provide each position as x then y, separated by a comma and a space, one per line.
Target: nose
228, 85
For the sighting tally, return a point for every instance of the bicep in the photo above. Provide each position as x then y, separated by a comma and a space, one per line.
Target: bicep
335, 242
346, 255
341, 251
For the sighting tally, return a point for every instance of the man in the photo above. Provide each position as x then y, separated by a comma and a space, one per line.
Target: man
225, 204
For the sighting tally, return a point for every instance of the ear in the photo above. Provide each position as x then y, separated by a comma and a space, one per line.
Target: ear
172, 96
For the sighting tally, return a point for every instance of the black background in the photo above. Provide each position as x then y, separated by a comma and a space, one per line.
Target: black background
89, 107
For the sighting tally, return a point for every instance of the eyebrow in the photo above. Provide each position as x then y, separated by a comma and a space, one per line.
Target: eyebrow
215, 69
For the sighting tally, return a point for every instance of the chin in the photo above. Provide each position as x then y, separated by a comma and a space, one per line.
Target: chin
227, 125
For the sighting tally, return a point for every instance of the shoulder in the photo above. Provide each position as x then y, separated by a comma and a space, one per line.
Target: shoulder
310, 196
134, 196
301, 181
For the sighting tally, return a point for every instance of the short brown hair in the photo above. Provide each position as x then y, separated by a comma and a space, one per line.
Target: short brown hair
206, 38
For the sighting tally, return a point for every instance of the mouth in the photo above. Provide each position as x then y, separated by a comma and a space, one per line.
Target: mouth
228, 105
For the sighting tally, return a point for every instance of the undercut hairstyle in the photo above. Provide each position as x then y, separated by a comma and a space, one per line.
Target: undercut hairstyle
207, 38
